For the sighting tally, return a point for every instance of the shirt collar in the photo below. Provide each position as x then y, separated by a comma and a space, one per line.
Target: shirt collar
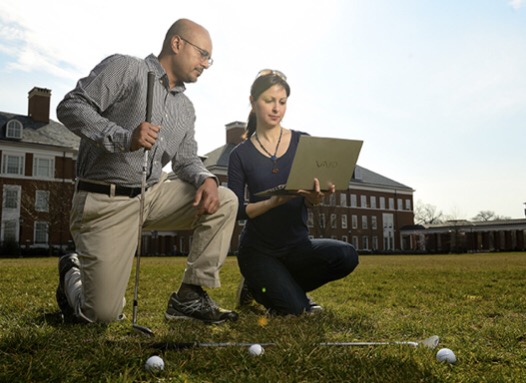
153, 64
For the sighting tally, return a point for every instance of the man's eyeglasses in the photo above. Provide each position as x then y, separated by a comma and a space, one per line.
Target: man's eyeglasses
204, 54
267, 72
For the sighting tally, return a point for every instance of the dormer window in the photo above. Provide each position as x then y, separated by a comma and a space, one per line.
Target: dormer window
357, 173
14, 129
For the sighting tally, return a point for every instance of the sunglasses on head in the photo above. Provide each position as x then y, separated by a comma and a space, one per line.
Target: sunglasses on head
268, 72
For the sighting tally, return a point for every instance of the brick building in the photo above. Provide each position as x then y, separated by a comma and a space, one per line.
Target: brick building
37, 173
37, 178
461, 236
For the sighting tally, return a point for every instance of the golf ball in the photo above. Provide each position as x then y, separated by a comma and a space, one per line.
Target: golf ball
154, 363
256, 350
446, 355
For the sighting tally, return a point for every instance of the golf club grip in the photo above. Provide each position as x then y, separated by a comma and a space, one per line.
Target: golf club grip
149, 96
165, 346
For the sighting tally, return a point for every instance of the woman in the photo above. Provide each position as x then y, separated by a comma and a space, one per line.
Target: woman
278, 261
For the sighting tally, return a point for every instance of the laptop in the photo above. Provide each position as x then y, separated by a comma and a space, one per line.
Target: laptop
330, 160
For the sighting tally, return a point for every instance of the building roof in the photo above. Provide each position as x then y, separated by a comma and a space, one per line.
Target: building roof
369, 178
34, 132
219, 157
463, 225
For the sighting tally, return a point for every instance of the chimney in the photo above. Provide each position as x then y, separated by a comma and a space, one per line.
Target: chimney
38, 104
234, 132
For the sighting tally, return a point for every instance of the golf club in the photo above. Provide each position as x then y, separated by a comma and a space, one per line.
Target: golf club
149, 101
430, 342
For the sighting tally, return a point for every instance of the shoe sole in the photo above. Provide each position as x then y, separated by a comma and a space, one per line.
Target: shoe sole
185, 317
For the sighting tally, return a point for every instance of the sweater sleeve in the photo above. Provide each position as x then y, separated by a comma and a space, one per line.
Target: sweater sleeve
236, 182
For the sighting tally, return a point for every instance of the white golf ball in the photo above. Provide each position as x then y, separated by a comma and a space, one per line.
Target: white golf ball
154, 363
256, 350
446, 355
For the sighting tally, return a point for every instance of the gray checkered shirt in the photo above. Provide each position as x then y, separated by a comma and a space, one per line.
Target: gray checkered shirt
105, 108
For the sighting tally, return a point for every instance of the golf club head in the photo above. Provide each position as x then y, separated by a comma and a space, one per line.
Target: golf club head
142, 330
431, 342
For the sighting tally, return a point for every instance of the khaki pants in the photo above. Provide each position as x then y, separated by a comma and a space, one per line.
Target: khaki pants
105, 231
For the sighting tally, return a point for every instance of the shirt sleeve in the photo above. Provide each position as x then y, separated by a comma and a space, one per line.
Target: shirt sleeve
236, 182
82, 109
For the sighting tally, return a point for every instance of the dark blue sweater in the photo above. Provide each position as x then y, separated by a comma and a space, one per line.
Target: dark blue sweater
283, 226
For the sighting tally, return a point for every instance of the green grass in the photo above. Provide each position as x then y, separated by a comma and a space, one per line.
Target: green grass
475, 303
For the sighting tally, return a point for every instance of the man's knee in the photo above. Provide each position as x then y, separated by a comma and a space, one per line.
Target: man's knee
228, 199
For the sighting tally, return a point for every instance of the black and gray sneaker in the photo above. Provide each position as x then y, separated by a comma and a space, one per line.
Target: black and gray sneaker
202, 308
66, 263
313, 306
244, 296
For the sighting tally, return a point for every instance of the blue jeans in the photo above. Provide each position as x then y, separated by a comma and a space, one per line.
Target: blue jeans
280, 279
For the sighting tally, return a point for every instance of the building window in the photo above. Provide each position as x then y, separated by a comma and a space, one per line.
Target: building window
310, 219
355, 242
407, 204
10, 230
322, 220
332, 200
333, 221
43, 167
400, 204
344, 221
374, 224
14, 129
354, 221
364, 222
13, 164
344, 238
353, 200
391, 203
375, 242
373, 202
343, 200
365, 242
41, 236
42, 200
363, 201
382, 203
11, 197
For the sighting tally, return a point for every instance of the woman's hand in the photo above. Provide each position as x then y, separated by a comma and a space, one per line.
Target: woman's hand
314, 197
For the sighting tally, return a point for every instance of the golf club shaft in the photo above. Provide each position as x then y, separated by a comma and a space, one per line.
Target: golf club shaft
430, 342
415, 344
149, 105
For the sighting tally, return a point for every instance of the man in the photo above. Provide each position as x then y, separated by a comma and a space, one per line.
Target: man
107, 110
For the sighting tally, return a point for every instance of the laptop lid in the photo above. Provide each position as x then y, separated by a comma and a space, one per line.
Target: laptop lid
331, 160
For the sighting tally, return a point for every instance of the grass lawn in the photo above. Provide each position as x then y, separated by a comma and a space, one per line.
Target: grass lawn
475, 303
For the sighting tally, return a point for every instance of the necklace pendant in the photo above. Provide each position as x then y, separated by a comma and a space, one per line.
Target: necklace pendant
275, 170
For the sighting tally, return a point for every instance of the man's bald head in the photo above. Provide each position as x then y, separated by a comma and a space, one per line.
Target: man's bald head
184, 28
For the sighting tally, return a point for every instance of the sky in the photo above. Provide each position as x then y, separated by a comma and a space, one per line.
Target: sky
435, 89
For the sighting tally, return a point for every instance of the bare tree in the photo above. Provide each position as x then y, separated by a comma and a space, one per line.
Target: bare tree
53, 207
322, 225
488, 215
427, 214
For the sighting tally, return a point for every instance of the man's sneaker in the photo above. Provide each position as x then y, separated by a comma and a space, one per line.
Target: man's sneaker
313, 306
202, 308
244, 296
66, 263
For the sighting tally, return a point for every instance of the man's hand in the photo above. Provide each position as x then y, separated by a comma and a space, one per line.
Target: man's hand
206, 199
144, 136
